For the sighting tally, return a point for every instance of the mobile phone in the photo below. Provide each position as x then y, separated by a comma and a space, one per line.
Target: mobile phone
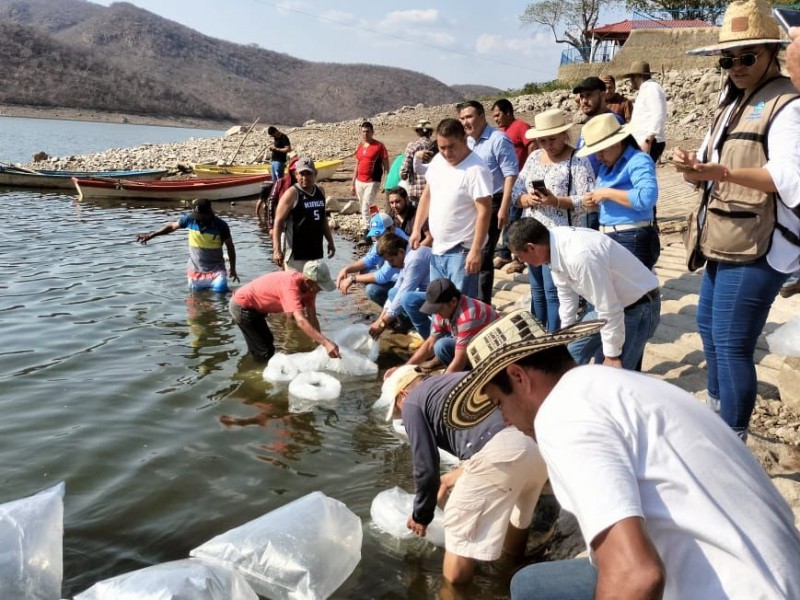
787, 18
538, 185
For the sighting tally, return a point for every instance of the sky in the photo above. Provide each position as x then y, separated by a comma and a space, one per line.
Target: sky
446, 39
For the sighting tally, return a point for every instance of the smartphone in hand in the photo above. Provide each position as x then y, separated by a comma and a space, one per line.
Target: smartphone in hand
787, 18
539, 186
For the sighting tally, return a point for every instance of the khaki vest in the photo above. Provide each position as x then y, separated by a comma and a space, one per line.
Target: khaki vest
739, 221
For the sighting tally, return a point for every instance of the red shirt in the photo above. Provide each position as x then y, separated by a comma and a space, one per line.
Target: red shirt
370, 161
516, 133
282, 291
470, 317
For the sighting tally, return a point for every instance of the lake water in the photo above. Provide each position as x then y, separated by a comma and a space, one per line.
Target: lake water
139, 395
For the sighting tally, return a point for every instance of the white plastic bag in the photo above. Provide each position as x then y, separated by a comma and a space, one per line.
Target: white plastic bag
305, 549
785, 340
390, 511
315, 385
352, 364
357, 338
31, 545
445, 457
187, 579
279, 369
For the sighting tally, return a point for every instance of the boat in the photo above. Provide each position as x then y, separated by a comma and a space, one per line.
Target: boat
325, 169
11, 176
212, 188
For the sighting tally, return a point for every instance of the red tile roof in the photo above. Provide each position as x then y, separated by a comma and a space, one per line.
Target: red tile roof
627, 26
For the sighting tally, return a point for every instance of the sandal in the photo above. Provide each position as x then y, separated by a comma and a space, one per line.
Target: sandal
500, 262
515, 267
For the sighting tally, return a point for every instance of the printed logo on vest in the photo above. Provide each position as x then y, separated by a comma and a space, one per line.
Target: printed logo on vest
755, 115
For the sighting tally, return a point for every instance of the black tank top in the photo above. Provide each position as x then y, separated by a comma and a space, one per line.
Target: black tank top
308, 224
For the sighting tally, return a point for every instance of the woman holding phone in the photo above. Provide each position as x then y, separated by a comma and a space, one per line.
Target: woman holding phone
550, 188
747, 225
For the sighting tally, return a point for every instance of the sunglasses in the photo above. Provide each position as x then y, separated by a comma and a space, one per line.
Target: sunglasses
746, 60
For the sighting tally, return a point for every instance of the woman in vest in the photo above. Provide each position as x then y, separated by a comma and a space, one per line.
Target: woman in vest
566, 178
301, 221
746, 225
626, 189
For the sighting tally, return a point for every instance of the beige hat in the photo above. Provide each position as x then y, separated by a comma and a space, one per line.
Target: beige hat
746, 23
396, 383
549, 122
318, 271
502, 343
638, 67
602, 131
423, 124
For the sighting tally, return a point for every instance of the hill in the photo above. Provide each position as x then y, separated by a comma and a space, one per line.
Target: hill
234, 81
470, 91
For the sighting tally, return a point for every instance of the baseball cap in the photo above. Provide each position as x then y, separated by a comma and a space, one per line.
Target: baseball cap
304, 163
394, 384
379, 224
438, 293
423, 124
590, 84
318, 271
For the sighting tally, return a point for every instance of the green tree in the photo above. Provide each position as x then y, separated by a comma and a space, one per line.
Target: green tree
706, 10
570, 21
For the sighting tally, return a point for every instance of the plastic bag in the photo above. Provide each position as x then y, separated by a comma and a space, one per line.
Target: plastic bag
445, 457
785, 340
279, 369
357, 338
314, 385
187, 579
305, 549
31, 545
390, 511
352, 364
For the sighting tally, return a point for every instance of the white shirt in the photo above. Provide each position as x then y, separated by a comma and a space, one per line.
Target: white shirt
587, 263
453, 190
649, 115
621, 444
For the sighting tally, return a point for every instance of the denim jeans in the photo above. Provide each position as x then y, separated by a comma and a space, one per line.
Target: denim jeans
276, 169
731, 313
411, 303
378, 292
544, 297
452, 265
573, 579
641, 322
445, 349
643, 242
502, 249
486, 276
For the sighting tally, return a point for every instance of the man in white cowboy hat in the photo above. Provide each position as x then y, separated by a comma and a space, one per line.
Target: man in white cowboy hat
493, 492
669, 501
423, 143
649, 116
588, 264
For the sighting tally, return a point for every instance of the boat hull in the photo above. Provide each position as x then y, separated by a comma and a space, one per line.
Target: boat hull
325, 169
215, 189
62, 180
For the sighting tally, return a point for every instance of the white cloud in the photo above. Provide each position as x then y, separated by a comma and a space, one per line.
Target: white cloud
339, 16
488, 43
292, 6
403, 18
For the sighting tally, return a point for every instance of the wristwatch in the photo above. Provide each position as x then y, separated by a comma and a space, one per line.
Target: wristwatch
353, 278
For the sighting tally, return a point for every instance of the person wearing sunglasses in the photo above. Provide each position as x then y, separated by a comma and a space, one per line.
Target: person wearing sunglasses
746, 227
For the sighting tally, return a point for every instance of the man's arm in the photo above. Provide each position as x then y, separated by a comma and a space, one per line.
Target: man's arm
354, 267
168, 228
386, 167
311, 329
628, 565
422, 216
425, 459
505, 204
484, 208
231, 258
423, 353
285, 205
459, 360
408, 162
326, 231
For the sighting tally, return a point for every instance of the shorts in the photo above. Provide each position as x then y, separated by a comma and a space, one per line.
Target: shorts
500, 485
215, 280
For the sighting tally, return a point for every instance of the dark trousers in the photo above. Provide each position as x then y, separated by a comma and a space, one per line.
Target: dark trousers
643, 243
257, 335
486, 276
514, 213
656, 150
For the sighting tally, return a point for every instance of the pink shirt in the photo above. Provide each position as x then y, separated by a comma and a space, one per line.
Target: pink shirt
282, 291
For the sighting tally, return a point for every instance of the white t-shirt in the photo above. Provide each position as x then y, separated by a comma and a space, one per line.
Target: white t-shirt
621, 444
453, 191
649, 116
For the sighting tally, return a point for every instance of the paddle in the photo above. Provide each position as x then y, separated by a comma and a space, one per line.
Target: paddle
11, 167
230, 162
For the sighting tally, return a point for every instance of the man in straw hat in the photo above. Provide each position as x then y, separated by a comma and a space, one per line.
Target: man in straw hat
588, 264
494, 490
207, 234
669, 501
649, 116
282, 292
423, 143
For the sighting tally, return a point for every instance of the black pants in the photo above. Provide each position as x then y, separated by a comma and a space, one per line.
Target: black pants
259, 338
486, 276
656, 150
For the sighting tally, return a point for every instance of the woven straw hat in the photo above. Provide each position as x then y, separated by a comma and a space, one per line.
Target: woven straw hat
549, 122
602, 131
746, 23
502, 343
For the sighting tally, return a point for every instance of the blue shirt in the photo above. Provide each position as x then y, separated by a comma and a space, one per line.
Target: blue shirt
497, 152
593, 157
384, 272
634, 172
414, 276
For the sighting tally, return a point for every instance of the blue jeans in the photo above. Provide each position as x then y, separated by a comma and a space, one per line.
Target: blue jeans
573, 579
643, 242
731, 313
445, 349
379, 292
514, 213
411, 303
276, 169
452, 265
544, 297
641, 322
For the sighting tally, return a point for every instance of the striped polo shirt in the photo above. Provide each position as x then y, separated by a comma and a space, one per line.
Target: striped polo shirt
470, 317
205, 243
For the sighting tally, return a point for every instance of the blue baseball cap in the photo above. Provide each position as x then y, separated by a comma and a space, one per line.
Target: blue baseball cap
379, 224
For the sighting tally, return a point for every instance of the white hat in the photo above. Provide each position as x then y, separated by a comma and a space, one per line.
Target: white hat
602, 131
549, 122
396, 383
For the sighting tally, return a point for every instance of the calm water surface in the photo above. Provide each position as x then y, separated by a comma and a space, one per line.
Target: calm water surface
139, 395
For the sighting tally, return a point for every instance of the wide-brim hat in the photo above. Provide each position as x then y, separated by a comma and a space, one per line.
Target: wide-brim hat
746, 23
547, 123
638, 67
502, 343
602, 131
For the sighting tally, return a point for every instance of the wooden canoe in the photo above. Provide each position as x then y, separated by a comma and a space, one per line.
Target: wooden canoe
15, 177
325, 169
212, 188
